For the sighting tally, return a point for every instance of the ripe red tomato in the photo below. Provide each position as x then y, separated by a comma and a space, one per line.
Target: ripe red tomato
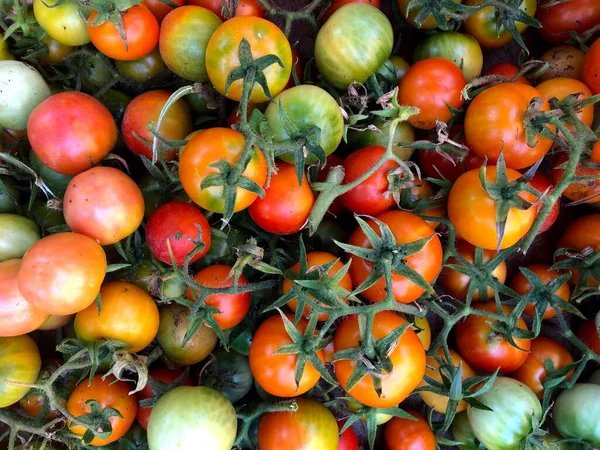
591, 68
183, 226
561, 88
71, 131
244, 8
589, 333
160, 9
348, 439
575, 15
432, 85
232, 307
286, 206
104, 204
508, 71
406, 434
579, 191
541, 182
484, 348
141, 34
337, 4
580, 234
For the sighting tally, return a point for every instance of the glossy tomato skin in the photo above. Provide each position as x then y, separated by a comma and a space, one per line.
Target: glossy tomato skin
578, 191
141, 70
17, 234
244, 8
533, 371
348, 439
57, 182
407, 434
62, 22
312, 427
557, 20
337, 4
175, 126
591, 67
508, 71
473, 212
582, 233
286, 206
407, 357
141, 31
542, 182
264, 38
406, 227
159, 9
354, 42
576, 413
116, 208
128, 314
20, 362
61, 274
71, 131
485, 349
109, 393
432, 85
275, 373
560, 88
182, 227
565, 61
494, 122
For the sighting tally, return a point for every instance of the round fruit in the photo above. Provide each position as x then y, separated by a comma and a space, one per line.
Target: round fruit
17, 234
20, 362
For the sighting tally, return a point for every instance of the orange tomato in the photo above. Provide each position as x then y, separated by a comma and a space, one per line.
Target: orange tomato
407, 434
560, 88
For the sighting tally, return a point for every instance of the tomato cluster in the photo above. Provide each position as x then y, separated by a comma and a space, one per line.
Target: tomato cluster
216, 235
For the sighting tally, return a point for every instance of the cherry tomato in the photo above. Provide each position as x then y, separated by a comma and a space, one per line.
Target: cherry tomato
560, 18
560, 88
564, 61
508, 71
56, 51
407, 434
143, 69
20, 362
62, 21
348, 439
541, 182
587, 191
580, 234
160, 9
591, 68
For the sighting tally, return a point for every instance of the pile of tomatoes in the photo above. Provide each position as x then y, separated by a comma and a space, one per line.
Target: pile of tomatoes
349, 224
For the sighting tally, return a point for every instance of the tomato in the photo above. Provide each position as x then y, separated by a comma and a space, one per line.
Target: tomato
316, 261
461, 49
576, 413
157, 375
311, 427
353, 44
541, 182
369, 137
484, 25
109, 393
182, 228
521, 286
116, 102
140, 28
143, 69
174, 322
145, 108
508, 71
580, 234
223, 246
484, 348
561, 18
17, 234
533, 371
160, 9
264, 38
407, 359
55, 322
71, 131
273, 372
438, 402
306, 107
421, 326
229, 373
473, 212
462, 432
22, 89
337, 4
62, 21
589, 333
116, 209
20, 362
591, 67
61, 274
560, 88
411, 14
408, 434
406, 227
184, 37
564, 61
244, 8
206, 148
579, 191
400, 66
286, 206
56, 51
513, 406
187, 416
432, 85
35, 400
348, 439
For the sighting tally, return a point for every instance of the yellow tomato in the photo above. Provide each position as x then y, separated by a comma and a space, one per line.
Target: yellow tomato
20, 362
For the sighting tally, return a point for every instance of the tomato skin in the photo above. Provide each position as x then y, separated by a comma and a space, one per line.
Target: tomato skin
61, 274
579, 190
590, 335
207, 147
541, 182
591, 67
576, 15
354, 42
407, 357
264, 38
244, 8
348, 439
312, 427
533, 371
406, 227
55, 322
116, 209
140, 28
56, 51
159, 9
560, 88
407, 434
110, 393
484, 349
20, 362
233, 307
63, 22
508, 71
431, 85
565, 61
337, 4
286, 206
576, 413
17, 234
521, 286
582, 233
473, 212
141, 70
71, 131
175, 126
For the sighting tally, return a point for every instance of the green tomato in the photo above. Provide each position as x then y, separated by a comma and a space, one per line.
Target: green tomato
96, 73
230, 374
329, 231
56, 182
192, 417
576, 413
116, 102
595, 378
141, 70
63, 23
17, 234
368, 137
306, 106
354, 42
550, 442
462, 432
9, 195
513, 406
222, 247
462, 49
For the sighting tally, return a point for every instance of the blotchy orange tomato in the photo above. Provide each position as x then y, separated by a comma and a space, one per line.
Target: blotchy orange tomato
407, 434
561, 88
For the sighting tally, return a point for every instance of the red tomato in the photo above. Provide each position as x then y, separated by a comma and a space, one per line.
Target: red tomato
286, 206
541, 182
406, 434
508, 71
337, 4
591, 68
71, 131
432, 85
244, 8
579, 191
579, 235
574, 15
183, 226
333, 160
160, 9
348, 439
589, 333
